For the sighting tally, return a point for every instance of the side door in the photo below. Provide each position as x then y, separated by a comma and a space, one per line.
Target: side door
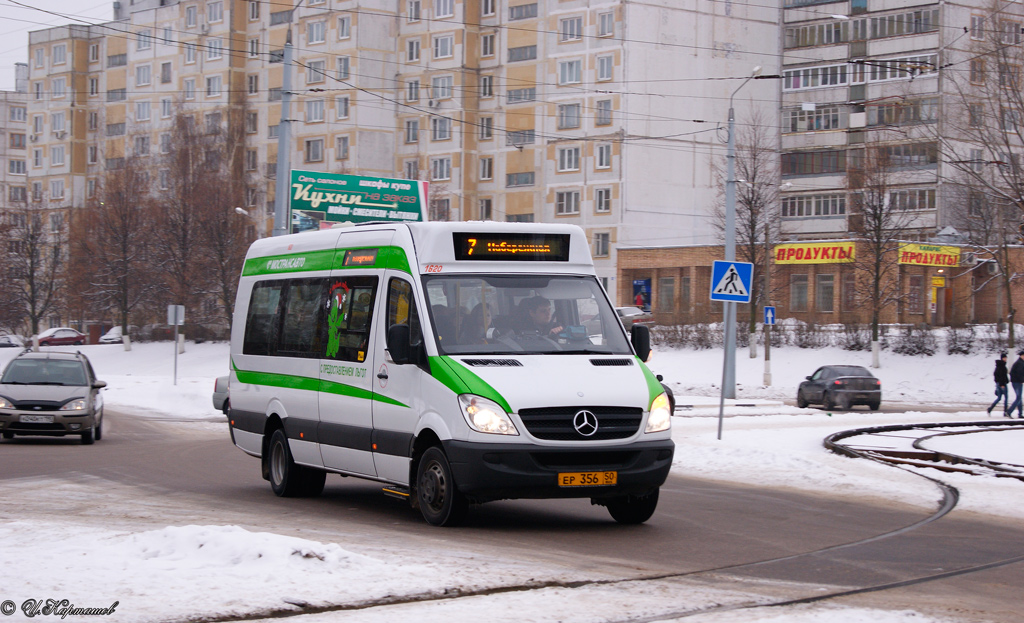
346, 391
397, 399
818, 380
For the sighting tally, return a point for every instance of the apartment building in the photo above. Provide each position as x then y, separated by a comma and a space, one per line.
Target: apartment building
605, 114
13, 115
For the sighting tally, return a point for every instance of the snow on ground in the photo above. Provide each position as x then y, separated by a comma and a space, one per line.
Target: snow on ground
172, 569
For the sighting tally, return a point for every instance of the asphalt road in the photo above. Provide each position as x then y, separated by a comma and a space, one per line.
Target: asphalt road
722, 533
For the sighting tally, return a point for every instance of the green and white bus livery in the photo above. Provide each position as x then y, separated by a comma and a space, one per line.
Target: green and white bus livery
456, 363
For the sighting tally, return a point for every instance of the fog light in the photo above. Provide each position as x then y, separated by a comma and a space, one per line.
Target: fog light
75, 426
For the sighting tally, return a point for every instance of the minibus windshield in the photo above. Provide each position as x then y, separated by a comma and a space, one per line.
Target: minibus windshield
522, 314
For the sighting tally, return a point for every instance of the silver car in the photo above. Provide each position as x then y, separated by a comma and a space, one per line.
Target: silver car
52, 394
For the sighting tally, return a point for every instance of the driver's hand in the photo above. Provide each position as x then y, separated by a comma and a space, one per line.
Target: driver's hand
556, 330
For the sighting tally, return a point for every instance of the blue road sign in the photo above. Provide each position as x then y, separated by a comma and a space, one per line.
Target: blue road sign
730, 281
769, 315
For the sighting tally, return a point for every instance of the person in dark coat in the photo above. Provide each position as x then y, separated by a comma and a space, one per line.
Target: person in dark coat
1002, 380
1017, 381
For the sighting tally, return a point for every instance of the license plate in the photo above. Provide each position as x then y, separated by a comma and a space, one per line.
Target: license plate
36, 419
587, 479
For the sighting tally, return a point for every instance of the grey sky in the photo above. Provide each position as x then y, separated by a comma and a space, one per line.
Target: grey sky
16, 22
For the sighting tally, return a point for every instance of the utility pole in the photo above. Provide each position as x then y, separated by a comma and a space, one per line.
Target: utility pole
284, 169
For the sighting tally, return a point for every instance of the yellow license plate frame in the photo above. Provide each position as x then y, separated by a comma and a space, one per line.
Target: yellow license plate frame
588, 479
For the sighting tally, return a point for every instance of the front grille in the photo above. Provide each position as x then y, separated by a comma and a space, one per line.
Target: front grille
556, 423
614, 459
34, 427
38, 405
611, 362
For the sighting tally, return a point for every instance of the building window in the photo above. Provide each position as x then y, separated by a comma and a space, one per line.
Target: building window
344, 27
412, 91
18, 113
166, 107
254, 10
519, 179
37, 158
412, 50
798, 293
412, 130
57, 122
488, 7
524, 53
813, 205
93, 154
440, 128
165, 143
59, 87
254, 48
567, 202
413, 11
569, 159
442, 87
213, 86
57, 156
441, 168
571, 29
915, 294
570, 72
824, 293
315, 150
603, 200
17, 194
142, 111
605, 24
190, 53
486, 209
520, 137
314, 111
486, 128
412, 169
56, 189
343, 67
444, 8
440, 209
665, 301
142, 76
252, 82
341, 148
523, 11
487, 86
604, 156
486, 168
60, 54
316, 72
17, 141
604, 113
978, 27
316, 32
144, 41
602, 244
522, 95
191, 14
849, 292
487, 44
215, 11
341, 106
604, 67
568, 116
443, 46
141, 145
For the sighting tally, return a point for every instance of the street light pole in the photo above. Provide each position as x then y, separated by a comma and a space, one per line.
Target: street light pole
729, 307
283, 184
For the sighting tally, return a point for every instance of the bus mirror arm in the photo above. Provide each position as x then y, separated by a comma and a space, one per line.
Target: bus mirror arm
640, 336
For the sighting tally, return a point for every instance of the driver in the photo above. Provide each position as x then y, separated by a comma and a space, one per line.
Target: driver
536, 315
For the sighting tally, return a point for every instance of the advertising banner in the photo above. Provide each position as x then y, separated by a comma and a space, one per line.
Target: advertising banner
929, 255
814, 253
318, 200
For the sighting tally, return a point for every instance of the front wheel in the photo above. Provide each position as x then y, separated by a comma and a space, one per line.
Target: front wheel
633, 509
801, 401
89, 437
439, 500
99, 428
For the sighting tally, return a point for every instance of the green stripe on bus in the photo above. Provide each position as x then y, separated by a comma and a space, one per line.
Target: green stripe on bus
290, 381
462, 380
654, 386
308, 261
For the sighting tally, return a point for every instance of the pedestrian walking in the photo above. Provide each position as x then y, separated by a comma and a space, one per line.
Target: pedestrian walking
1002, 378
1017, 381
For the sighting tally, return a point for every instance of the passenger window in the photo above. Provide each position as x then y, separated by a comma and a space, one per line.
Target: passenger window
402, 309
349, 306
300, 333
261, 319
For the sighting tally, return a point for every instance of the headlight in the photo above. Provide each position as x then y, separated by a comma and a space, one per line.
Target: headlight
661, 414
74, 405
486, 416
5, 403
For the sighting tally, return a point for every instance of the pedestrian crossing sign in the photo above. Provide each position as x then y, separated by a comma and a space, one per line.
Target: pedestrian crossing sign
731, 281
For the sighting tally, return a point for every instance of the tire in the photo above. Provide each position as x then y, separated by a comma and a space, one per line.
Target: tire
633, 509
801, 401
874, 405
438, 498
287, 479
98, 427
89, 437
826, 401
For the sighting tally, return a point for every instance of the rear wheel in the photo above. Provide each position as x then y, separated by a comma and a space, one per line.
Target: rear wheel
801, 400
287, 479
826, 401
439, 499
633, 509
874, 405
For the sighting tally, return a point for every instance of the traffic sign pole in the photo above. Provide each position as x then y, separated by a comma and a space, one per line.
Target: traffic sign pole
731, 283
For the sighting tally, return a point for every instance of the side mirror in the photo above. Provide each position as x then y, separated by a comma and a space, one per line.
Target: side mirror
398, 344
99, 384
640, 336
809, 378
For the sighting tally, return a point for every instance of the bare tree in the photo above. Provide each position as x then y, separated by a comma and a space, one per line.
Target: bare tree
113, 236
34, 256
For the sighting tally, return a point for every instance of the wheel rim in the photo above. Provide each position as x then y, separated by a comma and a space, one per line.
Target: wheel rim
277, 466
433, 487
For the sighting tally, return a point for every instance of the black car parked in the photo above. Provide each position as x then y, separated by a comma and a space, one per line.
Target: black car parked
842, 387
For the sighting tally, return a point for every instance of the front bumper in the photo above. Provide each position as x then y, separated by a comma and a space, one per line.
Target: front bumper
63, 422
485, 472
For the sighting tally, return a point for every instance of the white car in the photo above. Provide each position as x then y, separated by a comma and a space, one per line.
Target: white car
113, 336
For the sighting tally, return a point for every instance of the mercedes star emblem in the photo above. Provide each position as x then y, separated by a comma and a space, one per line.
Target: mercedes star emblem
585, 423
